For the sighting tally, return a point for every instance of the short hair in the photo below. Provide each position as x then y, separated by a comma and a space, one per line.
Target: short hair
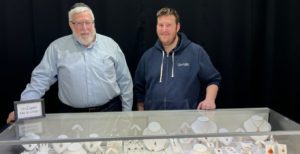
79, 7
168, 11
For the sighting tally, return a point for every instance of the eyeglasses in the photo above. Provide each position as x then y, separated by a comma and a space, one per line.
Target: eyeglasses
80, 24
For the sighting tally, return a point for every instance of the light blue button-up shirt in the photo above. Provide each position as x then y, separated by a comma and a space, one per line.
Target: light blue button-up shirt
87, 76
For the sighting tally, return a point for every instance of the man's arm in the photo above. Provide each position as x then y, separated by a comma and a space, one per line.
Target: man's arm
124, 81
42, 77
209, 102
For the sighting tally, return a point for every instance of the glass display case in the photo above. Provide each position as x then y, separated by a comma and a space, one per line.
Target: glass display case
221, 131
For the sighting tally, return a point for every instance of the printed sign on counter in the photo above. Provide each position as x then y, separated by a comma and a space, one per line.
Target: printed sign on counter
29, 109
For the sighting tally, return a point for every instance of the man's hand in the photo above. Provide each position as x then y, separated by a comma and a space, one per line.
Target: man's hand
207, 105
11, 118
209, 102
140, 106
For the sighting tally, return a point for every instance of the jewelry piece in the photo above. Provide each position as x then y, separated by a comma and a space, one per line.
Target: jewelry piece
60, 147
270, 149
225, 140
210, 145
246, 147
199, 149
231, 150
136, 129
175, 146
30, 136
92, 146
185, 128
218, 151
114, 146
43, 149
111, 151
281, 148
257, 121
154, 145
77, 128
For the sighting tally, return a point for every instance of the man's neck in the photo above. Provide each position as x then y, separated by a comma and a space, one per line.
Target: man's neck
170, 47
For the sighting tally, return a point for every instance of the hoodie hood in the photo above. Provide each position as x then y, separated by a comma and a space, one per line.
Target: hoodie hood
183, 41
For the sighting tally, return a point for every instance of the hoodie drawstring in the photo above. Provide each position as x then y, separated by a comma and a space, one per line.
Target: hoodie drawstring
161, 66
172, 65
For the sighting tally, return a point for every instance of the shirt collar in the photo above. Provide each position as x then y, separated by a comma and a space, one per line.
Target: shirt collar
90, 46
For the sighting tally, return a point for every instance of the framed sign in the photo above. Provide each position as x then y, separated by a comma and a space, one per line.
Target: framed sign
29, 109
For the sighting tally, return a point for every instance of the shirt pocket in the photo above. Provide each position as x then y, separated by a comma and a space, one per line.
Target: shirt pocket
105, 67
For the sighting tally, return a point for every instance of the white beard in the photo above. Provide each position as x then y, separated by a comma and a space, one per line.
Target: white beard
85, 41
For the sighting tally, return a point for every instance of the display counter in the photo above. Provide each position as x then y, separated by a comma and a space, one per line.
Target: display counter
227, 131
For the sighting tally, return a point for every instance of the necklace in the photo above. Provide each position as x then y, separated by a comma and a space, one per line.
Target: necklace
256, 119
154, 145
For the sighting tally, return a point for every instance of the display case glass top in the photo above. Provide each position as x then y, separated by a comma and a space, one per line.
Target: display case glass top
106, 126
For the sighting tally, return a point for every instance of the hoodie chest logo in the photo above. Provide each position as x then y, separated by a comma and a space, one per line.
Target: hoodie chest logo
183, 64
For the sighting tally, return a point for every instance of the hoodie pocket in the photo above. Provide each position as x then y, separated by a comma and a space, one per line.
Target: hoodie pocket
178, 104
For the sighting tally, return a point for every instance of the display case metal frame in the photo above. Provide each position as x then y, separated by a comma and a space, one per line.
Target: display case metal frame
118, 126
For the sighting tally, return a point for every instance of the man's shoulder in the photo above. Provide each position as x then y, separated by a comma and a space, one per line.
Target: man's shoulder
195, 47
104, 38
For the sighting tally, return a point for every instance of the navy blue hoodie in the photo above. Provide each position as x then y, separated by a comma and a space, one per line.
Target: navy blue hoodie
173, 81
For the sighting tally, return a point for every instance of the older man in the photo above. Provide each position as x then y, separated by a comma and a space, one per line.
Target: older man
90, 68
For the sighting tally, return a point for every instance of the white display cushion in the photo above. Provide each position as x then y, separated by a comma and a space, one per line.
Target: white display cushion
60, 147
202, 125
225, 140
155, 145
94, 145
75, 148
200, 149
257, 123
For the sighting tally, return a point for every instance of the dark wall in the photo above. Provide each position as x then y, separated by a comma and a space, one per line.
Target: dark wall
253, 43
